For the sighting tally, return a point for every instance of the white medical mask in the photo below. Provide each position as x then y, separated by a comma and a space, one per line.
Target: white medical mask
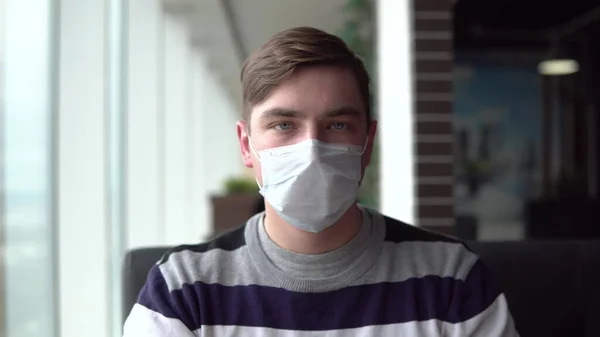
311, 184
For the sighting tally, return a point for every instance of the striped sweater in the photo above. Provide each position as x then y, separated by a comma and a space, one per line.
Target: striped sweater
391, 280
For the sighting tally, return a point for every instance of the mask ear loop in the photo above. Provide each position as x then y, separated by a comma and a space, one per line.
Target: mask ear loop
252, 148
257, 156
360, 154
250, 143
364, 148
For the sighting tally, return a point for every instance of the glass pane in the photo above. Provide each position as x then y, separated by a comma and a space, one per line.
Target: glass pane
27, 219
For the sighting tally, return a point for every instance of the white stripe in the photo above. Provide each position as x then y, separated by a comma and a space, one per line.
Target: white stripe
495, 321
398, 262
143, 322
429, 328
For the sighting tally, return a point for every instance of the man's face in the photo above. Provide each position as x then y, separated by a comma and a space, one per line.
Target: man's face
317, 102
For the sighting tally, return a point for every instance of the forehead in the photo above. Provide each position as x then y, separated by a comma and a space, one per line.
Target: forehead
314, 90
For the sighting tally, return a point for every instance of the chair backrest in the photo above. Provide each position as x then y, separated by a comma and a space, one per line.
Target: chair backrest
136, 265
552, 288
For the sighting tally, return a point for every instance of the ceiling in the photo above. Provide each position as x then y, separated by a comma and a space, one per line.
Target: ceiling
257, 20
229, 30
528, 23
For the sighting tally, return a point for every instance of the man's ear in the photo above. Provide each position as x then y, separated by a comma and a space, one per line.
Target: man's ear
244, 139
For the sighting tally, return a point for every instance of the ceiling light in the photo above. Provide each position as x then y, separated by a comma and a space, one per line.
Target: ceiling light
557, 67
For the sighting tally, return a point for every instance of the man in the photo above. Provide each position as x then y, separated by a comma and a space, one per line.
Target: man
315, 263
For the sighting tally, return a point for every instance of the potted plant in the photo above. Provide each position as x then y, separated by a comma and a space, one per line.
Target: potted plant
235, 205
238, 186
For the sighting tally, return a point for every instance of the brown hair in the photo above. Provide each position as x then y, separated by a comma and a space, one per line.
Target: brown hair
277, 59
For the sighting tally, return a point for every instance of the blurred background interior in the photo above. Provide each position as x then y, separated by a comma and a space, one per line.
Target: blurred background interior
118, 131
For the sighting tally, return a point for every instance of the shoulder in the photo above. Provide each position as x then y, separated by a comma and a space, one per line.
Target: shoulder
174, 283
229, 241
398, 231
187, 264
438, 260
431, 253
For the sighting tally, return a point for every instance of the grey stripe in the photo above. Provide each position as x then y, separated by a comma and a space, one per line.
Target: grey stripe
402, 261
398, 262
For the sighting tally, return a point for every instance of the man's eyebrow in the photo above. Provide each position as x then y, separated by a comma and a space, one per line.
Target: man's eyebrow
344, 111
279, 112
275, 113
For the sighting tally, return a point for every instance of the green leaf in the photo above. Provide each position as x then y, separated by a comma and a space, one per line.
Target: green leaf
240, 185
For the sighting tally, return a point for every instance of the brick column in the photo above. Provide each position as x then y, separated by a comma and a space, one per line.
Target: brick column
433, 43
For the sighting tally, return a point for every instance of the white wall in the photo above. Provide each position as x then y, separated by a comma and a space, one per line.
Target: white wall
26, 165
216, 149
181, 131
84, 230
143, 134
396, 96
221, 156
145, 69
181, 142
200, 85
175, 119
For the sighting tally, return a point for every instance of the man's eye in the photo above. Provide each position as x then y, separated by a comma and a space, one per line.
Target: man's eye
283, 126
339, 126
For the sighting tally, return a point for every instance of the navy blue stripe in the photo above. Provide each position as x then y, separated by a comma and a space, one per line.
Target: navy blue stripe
179, 304
474, 295
416, 299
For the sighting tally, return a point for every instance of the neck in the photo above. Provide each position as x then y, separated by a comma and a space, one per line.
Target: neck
295, 240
